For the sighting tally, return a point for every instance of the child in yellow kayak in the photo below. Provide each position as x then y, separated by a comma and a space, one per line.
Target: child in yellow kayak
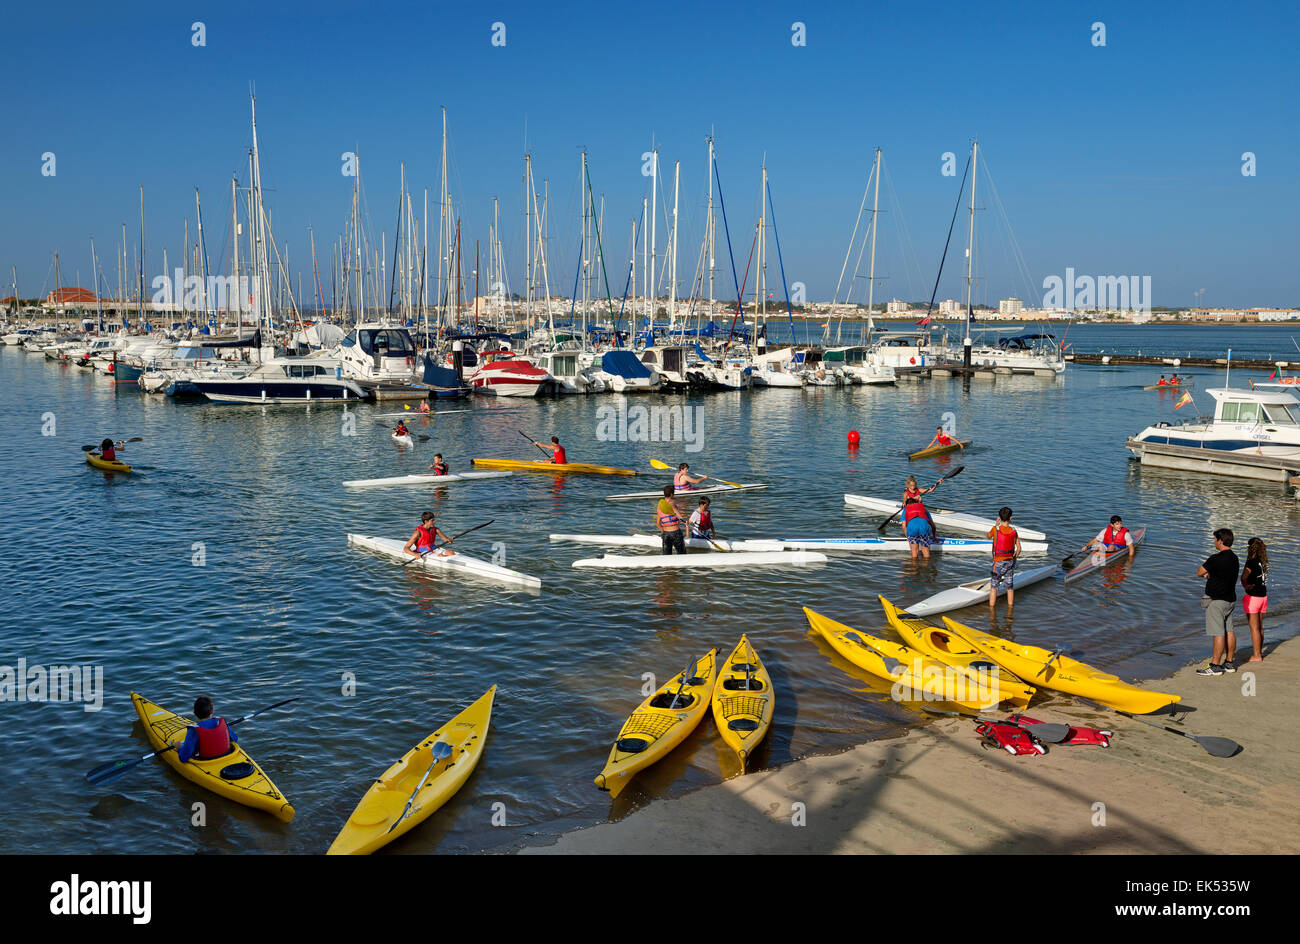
424, 538
210, 738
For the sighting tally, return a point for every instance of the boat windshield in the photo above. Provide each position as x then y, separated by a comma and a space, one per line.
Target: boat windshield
1278, 415
1235, 412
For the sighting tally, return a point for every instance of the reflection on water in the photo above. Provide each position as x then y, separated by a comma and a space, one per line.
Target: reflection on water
98, 569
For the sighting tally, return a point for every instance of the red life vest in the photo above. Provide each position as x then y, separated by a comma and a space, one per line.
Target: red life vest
1113, 538
213, 742
668, 520
914, 510
109, 454
428, 537
1004, 542
441, 468
943, 440
911, 494
705, 523
560, 458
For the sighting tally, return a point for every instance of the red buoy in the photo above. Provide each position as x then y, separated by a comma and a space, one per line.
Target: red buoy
854, 438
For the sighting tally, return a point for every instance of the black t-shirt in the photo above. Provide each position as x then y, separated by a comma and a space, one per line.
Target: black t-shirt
1252, 575
1222, 568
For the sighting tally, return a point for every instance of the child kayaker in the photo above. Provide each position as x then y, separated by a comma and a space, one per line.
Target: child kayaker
683, 481
918, 527
401, 429
668, 519
440, 466
107, 452
425, 536
1112, 537
208, 739
424, 406
701, 520
1006, 548
556, 450
1254, 577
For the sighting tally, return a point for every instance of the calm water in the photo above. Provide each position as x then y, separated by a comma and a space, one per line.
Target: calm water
98, 570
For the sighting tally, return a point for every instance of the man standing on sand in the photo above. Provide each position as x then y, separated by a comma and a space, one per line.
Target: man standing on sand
1220, 572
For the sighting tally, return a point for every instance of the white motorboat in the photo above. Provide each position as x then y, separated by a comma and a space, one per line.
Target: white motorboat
860, 365
505, 374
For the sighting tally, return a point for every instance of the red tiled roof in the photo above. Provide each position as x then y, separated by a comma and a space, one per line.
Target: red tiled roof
71, 295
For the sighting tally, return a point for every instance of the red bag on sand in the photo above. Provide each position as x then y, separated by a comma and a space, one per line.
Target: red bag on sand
1010, 738
1077, 735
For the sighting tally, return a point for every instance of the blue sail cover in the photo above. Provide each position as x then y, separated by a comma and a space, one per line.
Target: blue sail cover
439, 377
623, 364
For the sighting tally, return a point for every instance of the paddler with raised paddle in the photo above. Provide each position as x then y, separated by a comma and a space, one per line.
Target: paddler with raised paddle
556, 451
425, 536
668, 519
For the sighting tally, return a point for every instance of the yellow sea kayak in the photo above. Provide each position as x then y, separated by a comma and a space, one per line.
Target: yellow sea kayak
378, 818
1046, 669
936, 642
939, 450
743, 701
659, 724
107, 465
577, 468
235, 776
916, 677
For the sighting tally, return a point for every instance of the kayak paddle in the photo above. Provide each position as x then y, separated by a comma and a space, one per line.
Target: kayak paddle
687, 674
441, 751
445, 543
953, 474
533, 441
114, 769
1047, 733
1215, 746
655, 463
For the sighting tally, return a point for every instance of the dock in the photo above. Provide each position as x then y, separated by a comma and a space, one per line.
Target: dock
1170, 360
1217, 461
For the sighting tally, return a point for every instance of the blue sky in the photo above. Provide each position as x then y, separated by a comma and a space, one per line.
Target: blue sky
1117, 160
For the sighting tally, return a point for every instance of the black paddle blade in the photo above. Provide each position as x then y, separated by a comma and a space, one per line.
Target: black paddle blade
1217, 746
954, 473
89, 448
110, 771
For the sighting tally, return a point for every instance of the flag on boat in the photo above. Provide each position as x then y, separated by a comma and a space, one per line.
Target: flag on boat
1272, 375
924, 321
1184, 399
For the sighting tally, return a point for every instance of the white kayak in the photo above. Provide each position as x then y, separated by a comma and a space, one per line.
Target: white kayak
958, 521
738, 559
459, 563
951, 545
687, 494
977, 591
413, 413
407, 440
653, 540
426, 479
1103, 558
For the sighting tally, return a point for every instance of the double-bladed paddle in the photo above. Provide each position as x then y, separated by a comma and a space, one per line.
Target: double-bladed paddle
687, 674
953, 474
120, 443
446, 542
1215, 746
114, 769
655, 463
534, 442
441, 751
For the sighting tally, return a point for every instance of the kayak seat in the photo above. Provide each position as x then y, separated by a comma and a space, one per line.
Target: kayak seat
739, 685
743, 667
237, 771
666, 699
986, 665
631, 745
743, 724
379, 807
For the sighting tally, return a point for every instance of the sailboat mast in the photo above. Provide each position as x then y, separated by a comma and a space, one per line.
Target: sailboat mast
970, 251
871, 278
672, 287
709, 231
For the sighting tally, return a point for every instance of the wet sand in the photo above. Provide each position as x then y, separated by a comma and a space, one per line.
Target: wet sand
935, 790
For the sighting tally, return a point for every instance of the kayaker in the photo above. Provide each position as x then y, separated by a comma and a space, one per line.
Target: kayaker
1162, 382
912, 491
1112, 537
1006, 548
556, 450
668, 519
424, 406
683, 481
940, 439
208, 739
1174, 381
701, 520
107, 452
425, 536
440, 466
401, 429
1220, 572
1254, 577
918, 527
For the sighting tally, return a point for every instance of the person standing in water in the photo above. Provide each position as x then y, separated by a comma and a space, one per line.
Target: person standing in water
668, 519
1006, 549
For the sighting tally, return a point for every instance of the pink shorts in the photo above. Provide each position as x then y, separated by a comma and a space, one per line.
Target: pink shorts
1255, 604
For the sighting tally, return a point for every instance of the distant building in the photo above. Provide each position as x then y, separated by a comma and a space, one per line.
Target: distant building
951, 308
895, 307
1011, 306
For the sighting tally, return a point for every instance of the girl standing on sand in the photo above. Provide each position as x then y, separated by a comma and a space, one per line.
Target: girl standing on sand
1254, 577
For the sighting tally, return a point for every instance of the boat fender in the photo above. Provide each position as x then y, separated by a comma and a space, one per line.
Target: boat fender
237, 771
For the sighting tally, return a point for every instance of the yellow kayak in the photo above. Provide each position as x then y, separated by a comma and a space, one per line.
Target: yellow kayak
383, 815
1046, 669
577, 468
743, 701
936, 642
916, 677
659, 724
221, 775
939, 450
92, 458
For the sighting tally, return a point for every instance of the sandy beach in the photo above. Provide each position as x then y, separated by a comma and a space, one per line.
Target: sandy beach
936, 790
